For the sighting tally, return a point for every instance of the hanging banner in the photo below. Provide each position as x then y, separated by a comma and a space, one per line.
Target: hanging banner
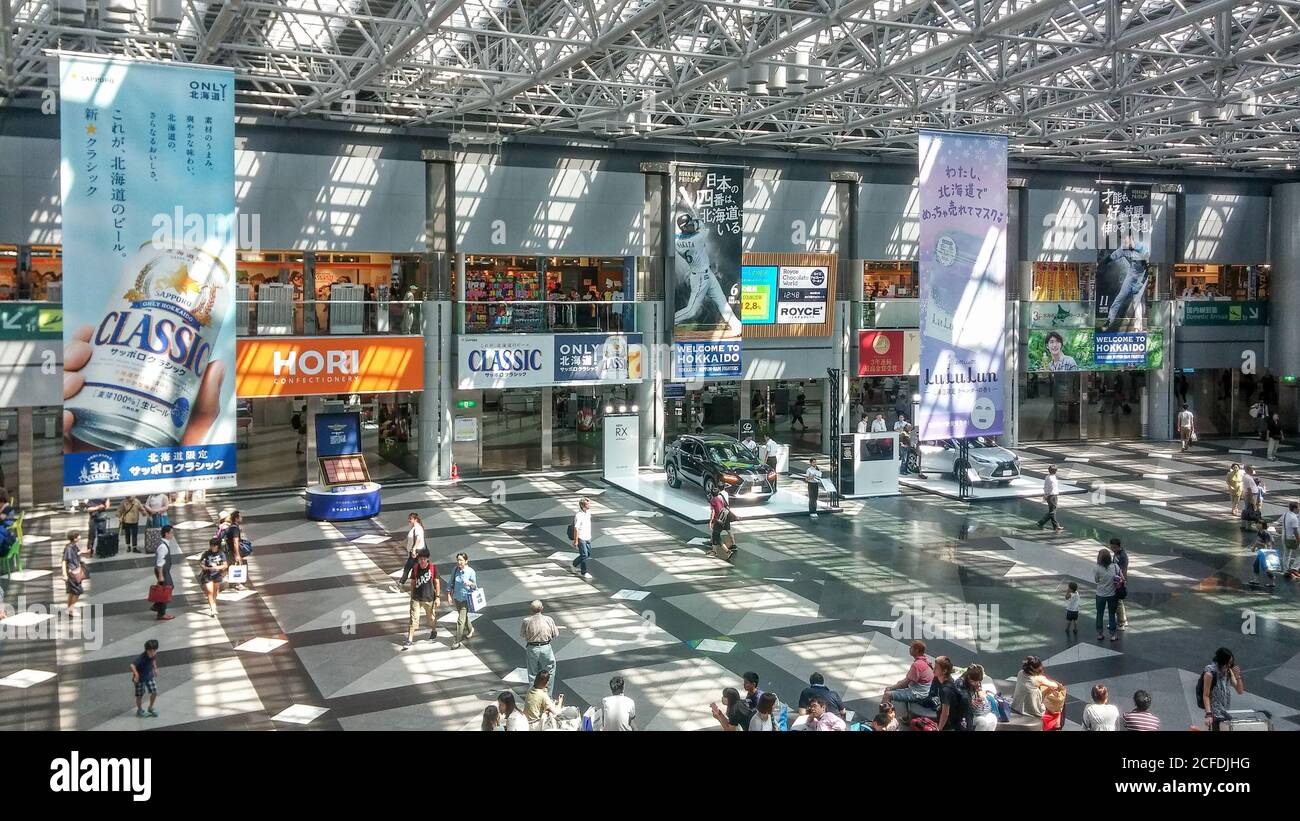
533, 360
148, 191
1123, 257
1059, 314
326, 365
709, 223
963, 202
1088, 350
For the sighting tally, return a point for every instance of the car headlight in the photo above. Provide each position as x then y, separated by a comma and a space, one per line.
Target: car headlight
731, 478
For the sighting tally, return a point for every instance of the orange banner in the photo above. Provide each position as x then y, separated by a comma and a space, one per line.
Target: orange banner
304, 366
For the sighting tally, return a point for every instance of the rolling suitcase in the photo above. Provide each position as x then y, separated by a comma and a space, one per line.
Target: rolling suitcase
106, 545
1248, 721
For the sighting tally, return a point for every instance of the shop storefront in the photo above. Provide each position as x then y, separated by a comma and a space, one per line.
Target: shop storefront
537, 294
283, 382
538, 401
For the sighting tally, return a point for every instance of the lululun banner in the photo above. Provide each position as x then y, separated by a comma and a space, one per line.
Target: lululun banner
963, 203
148, 191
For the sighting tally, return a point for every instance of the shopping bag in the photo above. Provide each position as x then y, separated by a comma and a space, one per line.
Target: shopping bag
1272, 561
477, 600
239, 574
160, 593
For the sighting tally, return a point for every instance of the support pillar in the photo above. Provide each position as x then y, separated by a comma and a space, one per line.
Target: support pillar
547, 410
1283, 352
652, 311
848, 287
436, 315
309, 419
26, 458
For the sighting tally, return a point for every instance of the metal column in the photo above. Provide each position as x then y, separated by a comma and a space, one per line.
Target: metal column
436, 401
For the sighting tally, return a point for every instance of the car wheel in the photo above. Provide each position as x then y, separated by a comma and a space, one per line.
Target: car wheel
673, 479
711, 486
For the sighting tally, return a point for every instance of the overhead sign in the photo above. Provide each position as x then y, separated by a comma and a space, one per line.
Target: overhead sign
1119, 349
801, 295
707, 360
319, 365
1217, 312
149, 233
709, 219
1059, 314
21, 321
1123, 256
963, 249
536, 360
880, 353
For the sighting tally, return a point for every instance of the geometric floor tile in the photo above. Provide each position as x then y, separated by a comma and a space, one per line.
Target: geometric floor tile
519, 675
260, 645
1083, 651
371, 665
300, 714
715, 646
235, 595
598, 631
630, 595
195, 524
25, 678
449, 714
858, 666
735, 610
25, 619
513, 525
671, 696
372, 538
27, 575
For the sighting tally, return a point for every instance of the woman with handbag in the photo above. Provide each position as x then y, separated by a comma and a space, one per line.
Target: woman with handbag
414, 541
212, 570
1108, 578
1038, 696
237, 547
74, 570
720, 519
128, 515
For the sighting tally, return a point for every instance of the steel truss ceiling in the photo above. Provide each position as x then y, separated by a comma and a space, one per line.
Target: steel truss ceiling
1169, 83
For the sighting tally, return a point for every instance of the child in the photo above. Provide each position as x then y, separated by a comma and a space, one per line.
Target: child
143, 672
1263, 553
891, 720
1072, 608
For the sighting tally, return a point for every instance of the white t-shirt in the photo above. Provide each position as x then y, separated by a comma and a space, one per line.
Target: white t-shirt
516, 721
415, 538
1290, 525
616, 713
761, 723
582, 525
813, 476
165, 547
878, 426
900, 425
1072, 603
862, 426
1185, 420
157, 503
1051, 487
1101, 718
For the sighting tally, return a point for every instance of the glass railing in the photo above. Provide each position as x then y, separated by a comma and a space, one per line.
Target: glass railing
326, 317
547, 316
889, 313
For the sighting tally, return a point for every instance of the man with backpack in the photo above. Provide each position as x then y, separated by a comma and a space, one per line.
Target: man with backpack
580, 536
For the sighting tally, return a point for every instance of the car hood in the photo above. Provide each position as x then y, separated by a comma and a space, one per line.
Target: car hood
994, 454
742, 466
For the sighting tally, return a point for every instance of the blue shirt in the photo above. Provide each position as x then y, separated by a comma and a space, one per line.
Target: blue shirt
462, 582
145, 666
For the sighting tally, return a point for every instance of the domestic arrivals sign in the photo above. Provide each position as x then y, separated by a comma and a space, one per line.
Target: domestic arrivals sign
326, 365
537, 360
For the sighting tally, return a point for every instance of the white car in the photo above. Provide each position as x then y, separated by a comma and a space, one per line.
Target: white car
992, 463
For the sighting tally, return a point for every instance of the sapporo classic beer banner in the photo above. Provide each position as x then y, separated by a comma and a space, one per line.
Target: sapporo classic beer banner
963, 198
149, 231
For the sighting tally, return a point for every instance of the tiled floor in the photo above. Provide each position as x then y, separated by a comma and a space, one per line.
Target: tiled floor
317, 642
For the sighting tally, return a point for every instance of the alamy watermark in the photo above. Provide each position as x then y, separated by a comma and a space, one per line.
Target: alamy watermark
947, 621
180, 229
38, 622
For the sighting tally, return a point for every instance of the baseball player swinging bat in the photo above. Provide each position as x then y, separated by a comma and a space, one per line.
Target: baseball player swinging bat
693, 249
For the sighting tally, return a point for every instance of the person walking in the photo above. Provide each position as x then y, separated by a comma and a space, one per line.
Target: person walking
128, 515
1274, 431
98, 523
414, 543
1051, 493
1235, 476
212, 571
538, 631
1105, 575
1186, 426
236, 542
796, 413
1120, 555
580, 534
166, 551
144, 675
74, 571
1072, 608
425, 590
720, 518
813, 478
1290, 528
463, 582
1250, 491
1218, 681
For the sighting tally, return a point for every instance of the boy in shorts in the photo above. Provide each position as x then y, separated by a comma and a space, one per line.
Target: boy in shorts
144, 671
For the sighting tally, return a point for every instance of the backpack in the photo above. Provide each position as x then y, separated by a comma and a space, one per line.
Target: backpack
296, 421
571, 532
924, 725
245, 547
1200, 688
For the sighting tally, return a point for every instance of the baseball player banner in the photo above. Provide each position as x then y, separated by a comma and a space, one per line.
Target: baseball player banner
1123, 257
709, 222
963, 201
149, 233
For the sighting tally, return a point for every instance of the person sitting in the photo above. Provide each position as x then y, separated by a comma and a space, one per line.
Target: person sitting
734, 714
1032, 687
821, 717
817, 689
915, 686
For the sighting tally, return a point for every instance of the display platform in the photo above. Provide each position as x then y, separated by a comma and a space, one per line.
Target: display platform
1021, 488
691, 504
343, 503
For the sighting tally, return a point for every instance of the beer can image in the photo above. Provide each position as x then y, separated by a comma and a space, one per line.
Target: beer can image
150, 350
634, 362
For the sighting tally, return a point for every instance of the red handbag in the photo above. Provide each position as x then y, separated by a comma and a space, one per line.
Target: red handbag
160, 593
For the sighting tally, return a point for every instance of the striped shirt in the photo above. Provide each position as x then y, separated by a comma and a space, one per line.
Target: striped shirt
1141, 721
